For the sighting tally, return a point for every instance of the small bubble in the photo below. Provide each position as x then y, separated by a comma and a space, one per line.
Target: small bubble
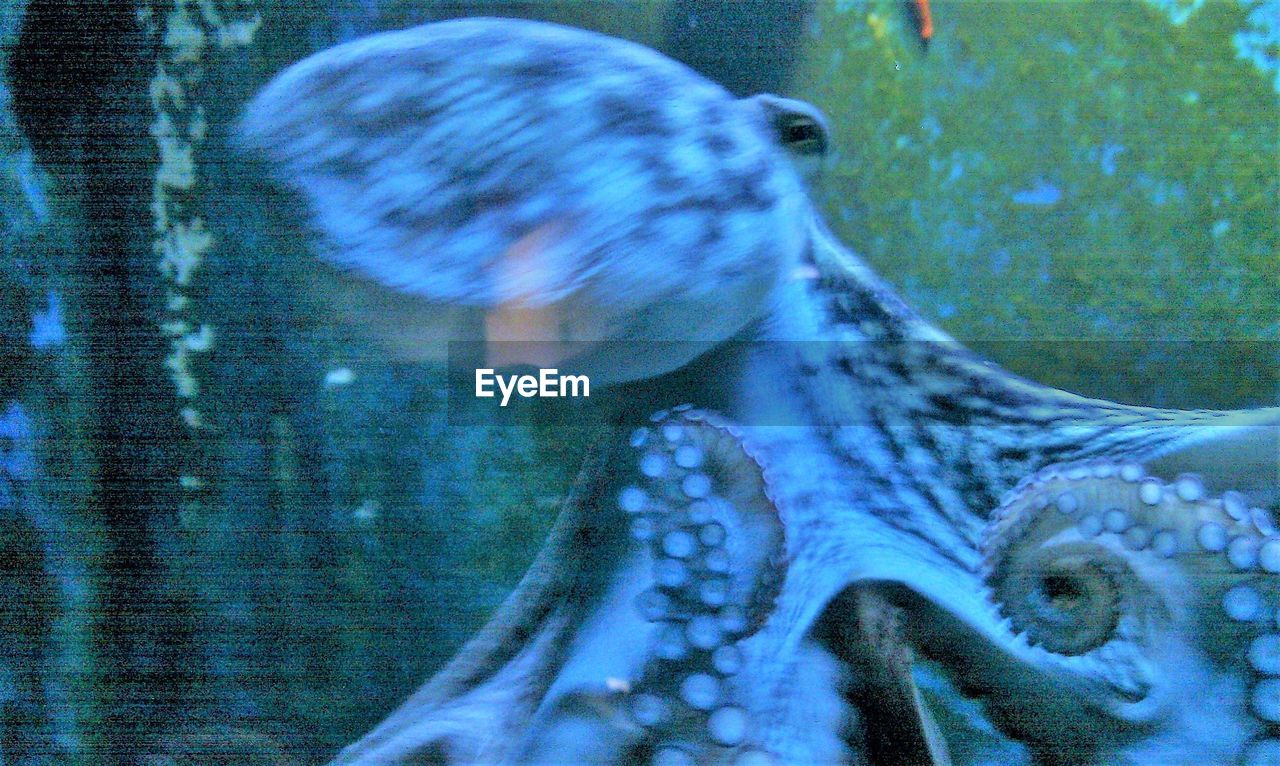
1137, 537
670, 573
700, 511
642, 528
1262, 520
733, 619
711, 534
1189, 487
1269, 555
648, 709
1242, 552
717, 560
727, 659
1165, 543
1266, 700
672, 756
653, 604
1264, 654
671, 644
1068, 503
714, 592
1234, 504
1262, 752
755, 758
1090, 525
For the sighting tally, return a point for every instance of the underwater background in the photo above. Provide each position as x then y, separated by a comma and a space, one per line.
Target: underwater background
228, 526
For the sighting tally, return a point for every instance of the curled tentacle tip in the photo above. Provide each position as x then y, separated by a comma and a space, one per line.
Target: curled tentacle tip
1088, 565
1058, 553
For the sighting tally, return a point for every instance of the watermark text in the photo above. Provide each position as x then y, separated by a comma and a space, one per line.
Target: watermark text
547, 384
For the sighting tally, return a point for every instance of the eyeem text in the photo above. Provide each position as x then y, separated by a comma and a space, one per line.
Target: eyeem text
548, 383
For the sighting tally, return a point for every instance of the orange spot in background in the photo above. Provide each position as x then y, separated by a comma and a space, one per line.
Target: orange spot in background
924, 16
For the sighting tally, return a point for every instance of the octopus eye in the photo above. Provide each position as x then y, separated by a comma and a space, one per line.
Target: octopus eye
802, 134
798, 127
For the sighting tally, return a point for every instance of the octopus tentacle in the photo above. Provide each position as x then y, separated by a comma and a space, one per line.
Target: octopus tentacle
702, 508
1094, 562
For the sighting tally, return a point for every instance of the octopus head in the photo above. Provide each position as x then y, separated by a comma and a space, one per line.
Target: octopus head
502, 180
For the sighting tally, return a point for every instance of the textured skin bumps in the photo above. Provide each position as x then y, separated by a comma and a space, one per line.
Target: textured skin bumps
495, 162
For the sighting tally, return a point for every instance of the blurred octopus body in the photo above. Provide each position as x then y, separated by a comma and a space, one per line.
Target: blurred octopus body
1102, 576
558, 183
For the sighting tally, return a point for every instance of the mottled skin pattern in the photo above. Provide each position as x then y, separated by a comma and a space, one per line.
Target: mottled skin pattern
752, 585
539, 166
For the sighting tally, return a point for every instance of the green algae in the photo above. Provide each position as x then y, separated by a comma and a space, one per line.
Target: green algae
1085, 171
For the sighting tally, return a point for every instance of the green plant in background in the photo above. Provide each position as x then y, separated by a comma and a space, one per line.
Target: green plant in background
185, 29
1055, 170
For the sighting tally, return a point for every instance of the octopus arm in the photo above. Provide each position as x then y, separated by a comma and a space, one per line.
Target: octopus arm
1139, 598
477, 707
626, 639
1236, 450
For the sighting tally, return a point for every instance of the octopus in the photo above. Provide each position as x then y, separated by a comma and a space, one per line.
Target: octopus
758, 572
